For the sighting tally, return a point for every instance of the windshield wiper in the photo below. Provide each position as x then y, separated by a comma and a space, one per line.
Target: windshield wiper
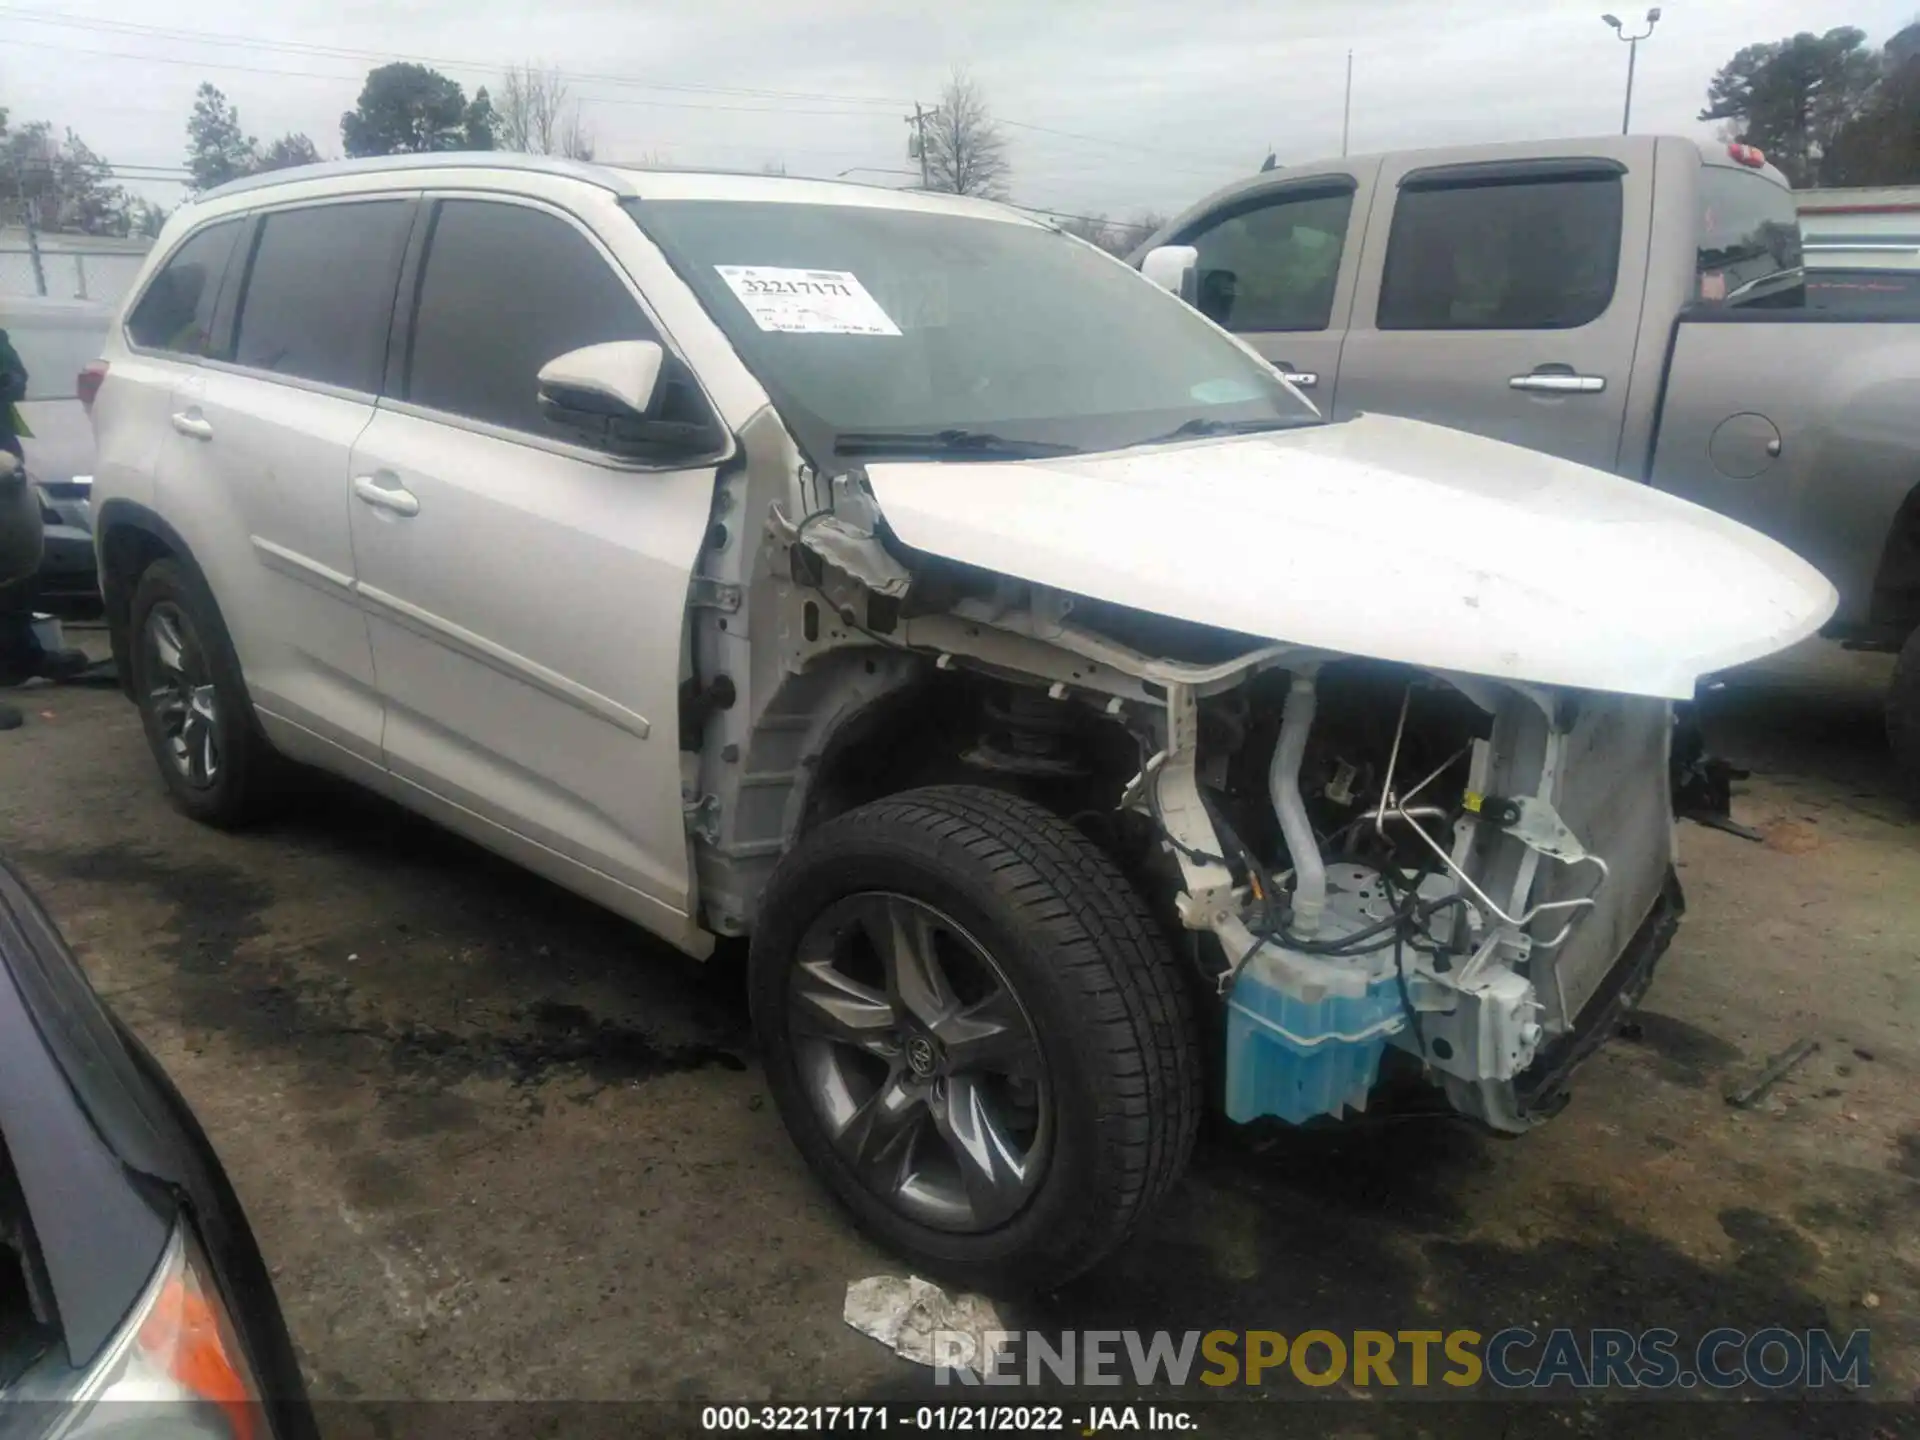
1207, 425
944, 442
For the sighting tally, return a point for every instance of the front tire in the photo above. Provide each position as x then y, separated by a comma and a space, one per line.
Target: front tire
217, 766
1903, 718
975, 1034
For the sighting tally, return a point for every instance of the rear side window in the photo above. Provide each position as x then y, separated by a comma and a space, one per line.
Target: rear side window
176, 313
1749, 250
1273, 266
504, 290
319, 294
1524, 254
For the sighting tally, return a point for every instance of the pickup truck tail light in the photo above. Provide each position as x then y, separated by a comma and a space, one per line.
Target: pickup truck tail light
87, 383
1750, 155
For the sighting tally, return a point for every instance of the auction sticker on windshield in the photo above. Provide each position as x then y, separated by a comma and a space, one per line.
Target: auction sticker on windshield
807, 302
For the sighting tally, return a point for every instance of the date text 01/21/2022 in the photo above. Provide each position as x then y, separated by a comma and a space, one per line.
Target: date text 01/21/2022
955, 1419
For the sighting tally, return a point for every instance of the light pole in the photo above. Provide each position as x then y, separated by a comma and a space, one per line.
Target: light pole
1633, 51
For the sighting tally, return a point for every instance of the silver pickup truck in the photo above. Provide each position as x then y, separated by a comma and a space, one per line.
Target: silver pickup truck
1633, 303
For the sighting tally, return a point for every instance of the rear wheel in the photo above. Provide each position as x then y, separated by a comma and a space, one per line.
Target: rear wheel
1903, 718
217, 765
975, 1034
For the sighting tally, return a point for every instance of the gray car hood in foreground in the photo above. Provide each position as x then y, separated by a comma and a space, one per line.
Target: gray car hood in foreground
1383, 537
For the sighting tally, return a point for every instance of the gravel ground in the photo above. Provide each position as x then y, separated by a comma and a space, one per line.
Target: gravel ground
497, 1144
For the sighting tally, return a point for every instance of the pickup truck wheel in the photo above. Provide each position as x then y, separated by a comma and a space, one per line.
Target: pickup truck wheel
1903, 718
217, 765
975, 1034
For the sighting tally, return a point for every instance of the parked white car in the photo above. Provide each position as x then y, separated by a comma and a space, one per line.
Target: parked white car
1081, 730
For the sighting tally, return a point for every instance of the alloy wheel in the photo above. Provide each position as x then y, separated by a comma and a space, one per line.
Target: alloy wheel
920, 1062
181, 696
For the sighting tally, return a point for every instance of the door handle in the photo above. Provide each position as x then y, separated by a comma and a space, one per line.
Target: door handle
1560, 383
1299, 379
399, 501
187, 423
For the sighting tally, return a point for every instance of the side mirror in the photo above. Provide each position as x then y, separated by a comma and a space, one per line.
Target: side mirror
1174, 268
621, 397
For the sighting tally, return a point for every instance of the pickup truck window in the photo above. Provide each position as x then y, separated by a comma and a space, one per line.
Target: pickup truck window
1272, 265
1522, 254
1749, 248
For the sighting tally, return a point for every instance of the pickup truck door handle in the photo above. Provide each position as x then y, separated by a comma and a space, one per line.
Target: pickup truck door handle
1555, 382
1299, 379
188, 423
398, 500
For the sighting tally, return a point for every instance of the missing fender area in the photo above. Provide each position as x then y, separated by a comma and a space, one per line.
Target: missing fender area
1366, 856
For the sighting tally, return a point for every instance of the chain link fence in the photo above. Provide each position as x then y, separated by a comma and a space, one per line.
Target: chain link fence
59, 273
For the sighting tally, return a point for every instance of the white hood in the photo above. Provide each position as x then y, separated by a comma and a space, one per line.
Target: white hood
1387, 538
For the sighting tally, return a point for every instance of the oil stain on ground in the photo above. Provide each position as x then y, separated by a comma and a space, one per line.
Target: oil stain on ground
227, 974
1683, 1054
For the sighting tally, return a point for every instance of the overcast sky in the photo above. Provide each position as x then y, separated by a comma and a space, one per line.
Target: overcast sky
1162, 101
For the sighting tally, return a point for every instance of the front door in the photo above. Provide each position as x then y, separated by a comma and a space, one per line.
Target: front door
1504, 298
526, 596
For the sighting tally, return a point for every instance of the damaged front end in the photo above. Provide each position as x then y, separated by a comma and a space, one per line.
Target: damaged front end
1474, 874
1367, 857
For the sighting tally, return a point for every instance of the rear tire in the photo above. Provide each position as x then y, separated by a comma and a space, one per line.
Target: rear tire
1090, 1117
217, 766
1903, 718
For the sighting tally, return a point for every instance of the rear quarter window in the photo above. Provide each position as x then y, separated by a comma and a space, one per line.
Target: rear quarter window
1749, 248
176, 312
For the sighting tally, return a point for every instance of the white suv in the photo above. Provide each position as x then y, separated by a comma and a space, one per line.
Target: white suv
1075, 723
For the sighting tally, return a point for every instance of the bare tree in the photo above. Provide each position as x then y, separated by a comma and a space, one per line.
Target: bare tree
964, 150
533, 115
1135, 232
1116, 237
1094, 229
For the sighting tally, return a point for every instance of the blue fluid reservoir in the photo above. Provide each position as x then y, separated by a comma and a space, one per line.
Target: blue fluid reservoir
1297, 1052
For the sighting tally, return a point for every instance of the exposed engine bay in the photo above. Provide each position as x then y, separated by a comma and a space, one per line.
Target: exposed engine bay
1400, 875
1365, 857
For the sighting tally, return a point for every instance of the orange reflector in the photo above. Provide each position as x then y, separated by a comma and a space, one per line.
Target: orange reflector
184, 1336
1747, 155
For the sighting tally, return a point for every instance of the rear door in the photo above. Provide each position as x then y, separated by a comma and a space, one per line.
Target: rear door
159, 349
271, 418
1278, 268
1503, 297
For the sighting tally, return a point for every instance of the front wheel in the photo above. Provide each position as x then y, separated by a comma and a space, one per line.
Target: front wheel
975, 1034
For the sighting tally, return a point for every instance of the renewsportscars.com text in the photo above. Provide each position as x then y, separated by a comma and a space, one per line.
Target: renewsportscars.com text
1515, 1358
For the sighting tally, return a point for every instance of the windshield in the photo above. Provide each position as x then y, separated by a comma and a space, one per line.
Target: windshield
879, 330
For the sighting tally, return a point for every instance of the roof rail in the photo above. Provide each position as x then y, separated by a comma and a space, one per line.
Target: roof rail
600, 175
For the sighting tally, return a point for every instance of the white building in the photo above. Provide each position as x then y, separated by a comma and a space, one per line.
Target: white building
1862, 228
